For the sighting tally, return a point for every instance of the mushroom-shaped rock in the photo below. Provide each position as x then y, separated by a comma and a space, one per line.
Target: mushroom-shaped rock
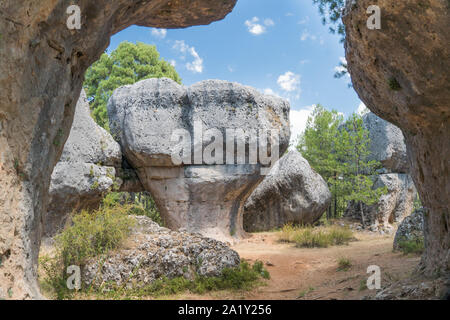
291, 193
86, 170
201, 150
387, 144
391, 208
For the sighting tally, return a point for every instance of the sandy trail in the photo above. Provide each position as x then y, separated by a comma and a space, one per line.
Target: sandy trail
304, 273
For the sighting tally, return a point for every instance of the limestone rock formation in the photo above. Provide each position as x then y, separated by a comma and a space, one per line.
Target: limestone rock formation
387, 144
391, 208
89, 165
206, 192
400, 73
41, 73
152, 252
291, 192
410, 229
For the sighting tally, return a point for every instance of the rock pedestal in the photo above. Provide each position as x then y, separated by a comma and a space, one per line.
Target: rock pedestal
218, 165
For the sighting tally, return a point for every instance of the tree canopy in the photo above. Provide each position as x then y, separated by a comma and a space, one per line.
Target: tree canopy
128, 64
338, 150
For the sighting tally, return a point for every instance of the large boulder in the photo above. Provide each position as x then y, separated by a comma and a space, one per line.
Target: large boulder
410, 229
152, 252
89, 167
391, 208
291, 193
206, 191
43, 61
387, 144
401, 74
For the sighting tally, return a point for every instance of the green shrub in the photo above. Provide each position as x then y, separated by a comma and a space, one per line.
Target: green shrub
93, 233
321, 237
90, 235
244, 277
344, 264
415, 246
141, 204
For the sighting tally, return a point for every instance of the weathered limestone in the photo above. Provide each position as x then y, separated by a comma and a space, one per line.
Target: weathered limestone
41, 74
400, 73
391, 208
152, 252
291, 193
387, 144
89, 166
200, 195
410, 229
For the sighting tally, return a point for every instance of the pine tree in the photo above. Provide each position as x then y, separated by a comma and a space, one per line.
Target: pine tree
128, 64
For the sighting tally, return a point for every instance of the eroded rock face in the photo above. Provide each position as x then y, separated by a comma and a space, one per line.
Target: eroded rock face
387, 144
391, 208
400, 73
89, 167
41, 74
410, 229
291, 193
152, 252
202, 195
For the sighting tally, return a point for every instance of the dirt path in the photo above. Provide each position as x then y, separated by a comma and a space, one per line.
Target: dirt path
303, 273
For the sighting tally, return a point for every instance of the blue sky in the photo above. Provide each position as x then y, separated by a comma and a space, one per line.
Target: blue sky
278, 47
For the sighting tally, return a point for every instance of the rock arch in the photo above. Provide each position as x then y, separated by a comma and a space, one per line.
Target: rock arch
41, 74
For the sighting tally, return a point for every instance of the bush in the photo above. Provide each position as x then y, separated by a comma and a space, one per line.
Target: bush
244, 277
320, 237
344, 264
415, 246
91, 234
141, 204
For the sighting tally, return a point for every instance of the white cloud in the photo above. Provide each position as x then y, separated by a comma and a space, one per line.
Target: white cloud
196, 65
159, 33
173, 63
289, 81
255, 27
298, 119
230, 69
269, 22
306, 35
362, 109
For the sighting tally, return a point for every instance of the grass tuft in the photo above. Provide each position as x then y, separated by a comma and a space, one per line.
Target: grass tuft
321, 237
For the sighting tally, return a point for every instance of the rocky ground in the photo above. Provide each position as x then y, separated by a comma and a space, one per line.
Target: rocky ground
312, 274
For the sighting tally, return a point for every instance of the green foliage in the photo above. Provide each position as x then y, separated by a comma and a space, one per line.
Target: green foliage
91, 234
244, 277
415, 246
128, 64
394, 85
338, 151
331, 12
320, 237
344, 264
140, 204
